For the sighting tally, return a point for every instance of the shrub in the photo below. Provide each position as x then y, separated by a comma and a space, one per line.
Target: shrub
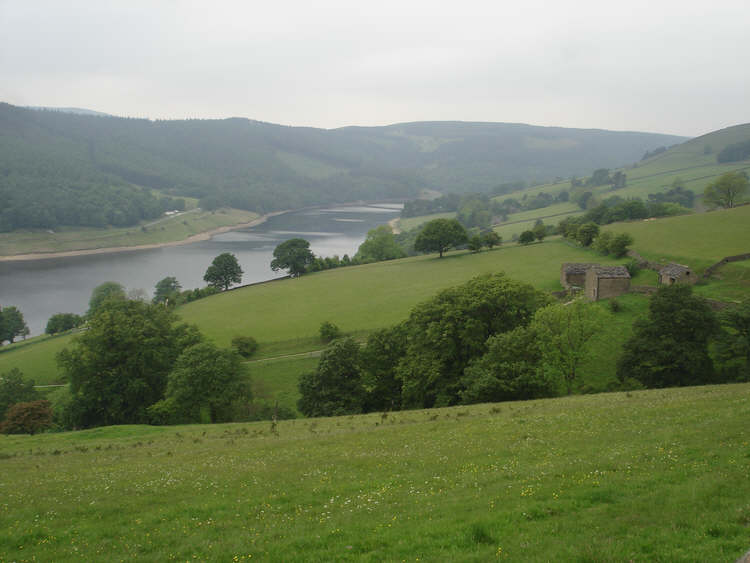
614, 305
527, 237
619, 244
329, 331
245, 346
27, 418
633, 267
475, 243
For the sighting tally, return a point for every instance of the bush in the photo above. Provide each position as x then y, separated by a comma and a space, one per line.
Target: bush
633, 267
15, 389
527, 237
619, 244
329, 331
27, 418
245, 346
475, 243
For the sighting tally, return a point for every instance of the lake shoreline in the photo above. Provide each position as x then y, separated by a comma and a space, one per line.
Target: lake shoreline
205, 235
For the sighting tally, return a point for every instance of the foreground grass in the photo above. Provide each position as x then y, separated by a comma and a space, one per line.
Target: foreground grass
655, 475
164, 230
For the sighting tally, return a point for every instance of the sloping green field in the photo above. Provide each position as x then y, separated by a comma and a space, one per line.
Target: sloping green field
698, 240
364, 298
645, 476
689, 161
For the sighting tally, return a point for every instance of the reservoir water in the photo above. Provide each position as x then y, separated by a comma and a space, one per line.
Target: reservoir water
41, 288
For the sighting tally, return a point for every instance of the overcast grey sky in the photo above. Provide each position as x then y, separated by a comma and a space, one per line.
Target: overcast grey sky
678, 67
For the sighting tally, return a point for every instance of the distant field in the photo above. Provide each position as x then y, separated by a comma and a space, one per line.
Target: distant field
656, 475
275, 381
687, 161
364, 298
409, 223
35, 358
698, 240
158, 231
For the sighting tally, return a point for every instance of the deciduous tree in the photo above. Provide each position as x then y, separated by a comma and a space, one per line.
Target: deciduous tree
167, 290
670, 347
445, 333
563, 335
203, 385
726, 190
293, 255
104, 292
15, 389
27, 418
13, 324
511, 370
118, 367
60, 322
379, 245
223, 272
335, 387
439, 235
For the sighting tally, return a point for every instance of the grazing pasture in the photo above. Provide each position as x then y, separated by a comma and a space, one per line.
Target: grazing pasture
660, 475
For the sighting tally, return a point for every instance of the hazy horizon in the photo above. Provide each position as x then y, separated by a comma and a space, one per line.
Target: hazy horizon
671, 67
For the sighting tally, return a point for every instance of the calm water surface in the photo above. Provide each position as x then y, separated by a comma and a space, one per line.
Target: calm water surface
41, 288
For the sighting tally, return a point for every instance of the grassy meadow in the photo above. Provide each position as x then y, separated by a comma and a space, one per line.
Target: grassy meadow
698, 240
364, 298
688, 161
168, 229
284, 316
661, 475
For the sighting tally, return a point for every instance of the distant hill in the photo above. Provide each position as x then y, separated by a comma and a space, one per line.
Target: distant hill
65, 168
79, 111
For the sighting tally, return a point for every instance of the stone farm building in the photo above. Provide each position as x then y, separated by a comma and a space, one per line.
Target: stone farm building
676, 273
574, 274
597, 281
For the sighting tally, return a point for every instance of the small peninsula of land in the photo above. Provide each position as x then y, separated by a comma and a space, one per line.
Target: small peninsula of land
39, 246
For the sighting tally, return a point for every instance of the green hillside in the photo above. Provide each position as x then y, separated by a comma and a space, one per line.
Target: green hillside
285, 316
69, 169
643, 476
689, 160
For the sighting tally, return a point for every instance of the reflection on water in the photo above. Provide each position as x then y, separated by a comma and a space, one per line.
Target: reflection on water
43, 287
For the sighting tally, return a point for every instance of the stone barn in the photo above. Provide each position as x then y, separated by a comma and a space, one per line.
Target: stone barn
603, 282
676, 273
574, 274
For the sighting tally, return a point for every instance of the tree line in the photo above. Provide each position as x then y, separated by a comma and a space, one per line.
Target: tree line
494, 339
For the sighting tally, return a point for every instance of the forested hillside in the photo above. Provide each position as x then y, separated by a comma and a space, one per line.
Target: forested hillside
60, 168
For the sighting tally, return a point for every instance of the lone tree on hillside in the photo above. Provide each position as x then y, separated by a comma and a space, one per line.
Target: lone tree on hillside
223, 272
726, 190
439, 235
527, 237
12, 324
293, 255
491, 238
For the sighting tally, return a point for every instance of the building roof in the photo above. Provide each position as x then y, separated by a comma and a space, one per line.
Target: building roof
674, 270
577, 268
611, 272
